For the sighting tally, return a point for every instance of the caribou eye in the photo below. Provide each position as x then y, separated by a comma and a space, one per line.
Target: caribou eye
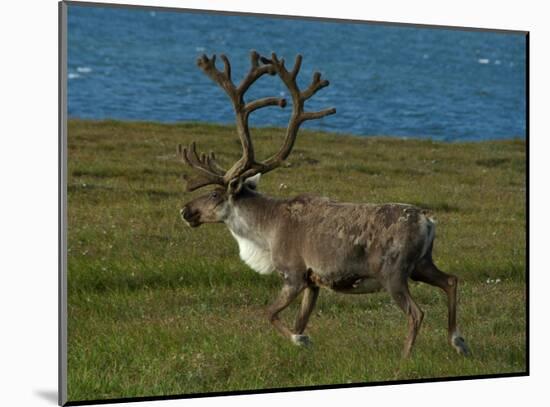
214, 195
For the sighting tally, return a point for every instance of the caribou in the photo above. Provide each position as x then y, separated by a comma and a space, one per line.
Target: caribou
311, 242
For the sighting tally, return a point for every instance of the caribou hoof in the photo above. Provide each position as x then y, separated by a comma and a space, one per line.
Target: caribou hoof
301, 340
460, 346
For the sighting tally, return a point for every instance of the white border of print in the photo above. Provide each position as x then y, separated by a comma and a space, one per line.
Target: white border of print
29, 199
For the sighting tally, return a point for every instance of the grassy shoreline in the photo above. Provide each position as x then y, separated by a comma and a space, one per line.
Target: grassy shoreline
156, 308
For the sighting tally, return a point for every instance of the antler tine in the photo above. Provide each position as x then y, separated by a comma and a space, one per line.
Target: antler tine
227, 66
186, 154
297, 65
254, 57
318, 115
221, 78
209, 171
203, 162
183, 154
316, 84
298, 115
259, 103
203, 158
255, 72
211, 161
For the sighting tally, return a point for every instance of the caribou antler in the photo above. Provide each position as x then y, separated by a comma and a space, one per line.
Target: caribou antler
298, 115
209, 172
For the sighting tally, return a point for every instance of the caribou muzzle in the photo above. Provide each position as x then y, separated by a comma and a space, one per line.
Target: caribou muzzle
192, 218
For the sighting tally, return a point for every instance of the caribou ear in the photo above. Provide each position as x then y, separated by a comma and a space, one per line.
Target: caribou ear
252, 182
234, 186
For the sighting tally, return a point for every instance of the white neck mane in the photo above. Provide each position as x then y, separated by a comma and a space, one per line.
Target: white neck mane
254, 248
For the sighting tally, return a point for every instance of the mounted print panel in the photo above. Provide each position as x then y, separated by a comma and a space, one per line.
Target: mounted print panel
256, 203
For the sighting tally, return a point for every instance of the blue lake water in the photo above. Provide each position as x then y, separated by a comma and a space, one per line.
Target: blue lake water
453, 85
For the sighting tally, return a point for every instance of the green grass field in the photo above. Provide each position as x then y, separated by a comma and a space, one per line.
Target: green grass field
157, 308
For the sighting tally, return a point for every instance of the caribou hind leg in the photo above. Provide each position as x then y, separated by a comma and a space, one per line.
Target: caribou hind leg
414, 314
428, 273
399, 290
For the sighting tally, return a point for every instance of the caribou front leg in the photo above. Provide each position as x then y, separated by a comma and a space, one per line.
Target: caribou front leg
288, 294
308, 303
